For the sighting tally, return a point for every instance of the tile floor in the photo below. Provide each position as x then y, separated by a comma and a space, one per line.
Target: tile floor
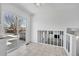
35, 49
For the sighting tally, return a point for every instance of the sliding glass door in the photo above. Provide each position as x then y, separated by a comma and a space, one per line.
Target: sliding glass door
10, 27
15, 30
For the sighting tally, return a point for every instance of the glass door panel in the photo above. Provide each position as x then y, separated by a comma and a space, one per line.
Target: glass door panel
22, 30
10, 27
15, 30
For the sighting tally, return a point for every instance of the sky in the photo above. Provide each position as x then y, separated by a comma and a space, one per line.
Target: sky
9, 18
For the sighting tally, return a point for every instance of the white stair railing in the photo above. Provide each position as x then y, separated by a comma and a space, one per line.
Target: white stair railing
71, 44
51, 37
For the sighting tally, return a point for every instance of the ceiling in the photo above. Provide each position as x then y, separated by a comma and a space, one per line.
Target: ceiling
34, 9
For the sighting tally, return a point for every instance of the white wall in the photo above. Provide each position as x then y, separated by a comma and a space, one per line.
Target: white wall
0, 16
0, 20
1, 30
0, 11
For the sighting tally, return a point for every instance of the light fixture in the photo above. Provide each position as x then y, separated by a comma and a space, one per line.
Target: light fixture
38, 4
77, 37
